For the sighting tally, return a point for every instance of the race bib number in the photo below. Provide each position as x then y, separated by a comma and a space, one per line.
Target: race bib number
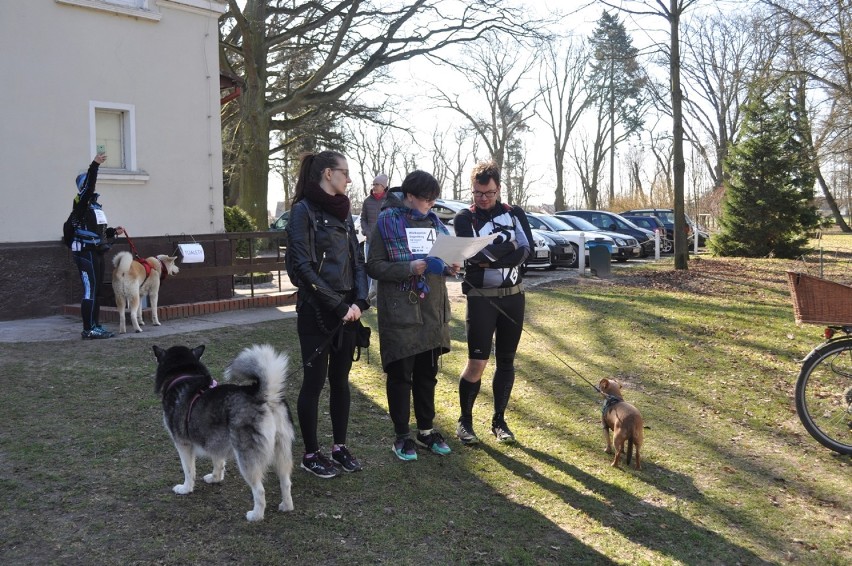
100, 216
420, 240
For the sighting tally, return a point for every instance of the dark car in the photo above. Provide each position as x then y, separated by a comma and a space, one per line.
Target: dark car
666, 216
562, 253
613, 222
653, 224
626, 247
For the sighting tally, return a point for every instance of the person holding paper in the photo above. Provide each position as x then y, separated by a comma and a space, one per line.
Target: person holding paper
495, 298
413, 309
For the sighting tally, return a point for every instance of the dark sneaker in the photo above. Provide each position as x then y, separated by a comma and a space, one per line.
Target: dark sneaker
465, 433
434, 442
319, 465
404, 449
345, 460
96, 333
502, 433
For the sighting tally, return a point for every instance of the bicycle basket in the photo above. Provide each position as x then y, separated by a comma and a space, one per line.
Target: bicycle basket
819, 301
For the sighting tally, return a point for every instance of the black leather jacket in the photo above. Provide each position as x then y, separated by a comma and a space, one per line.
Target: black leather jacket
332, 275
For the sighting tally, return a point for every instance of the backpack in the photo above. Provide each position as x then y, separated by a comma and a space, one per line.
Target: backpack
288, 262
69, 228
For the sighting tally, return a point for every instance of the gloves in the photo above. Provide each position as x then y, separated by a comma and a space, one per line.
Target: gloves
502, 236
434, 265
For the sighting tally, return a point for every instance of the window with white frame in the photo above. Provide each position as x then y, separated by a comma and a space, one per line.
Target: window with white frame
112, 130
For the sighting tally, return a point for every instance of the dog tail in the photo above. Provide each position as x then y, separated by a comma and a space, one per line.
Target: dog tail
122, 261
264, 364
629, 448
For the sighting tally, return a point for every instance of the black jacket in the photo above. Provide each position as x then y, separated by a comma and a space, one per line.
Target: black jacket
331, 275
88, 233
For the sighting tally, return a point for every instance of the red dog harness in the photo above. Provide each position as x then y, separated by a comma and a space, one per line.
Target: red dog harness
198, 394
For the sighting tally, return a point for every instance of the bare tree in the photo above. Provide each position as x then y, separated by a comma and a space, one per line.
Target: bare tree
498, 75
820, 51
564, 97
672, 11
378, 149
300, 60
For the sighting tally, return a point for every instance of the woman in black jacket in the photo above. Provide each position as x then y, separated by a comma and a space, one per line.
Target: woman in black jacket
332, 287
92, 238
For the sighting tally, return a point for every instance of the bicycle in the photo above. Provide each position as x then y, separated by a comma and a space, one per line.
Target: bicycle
823, 391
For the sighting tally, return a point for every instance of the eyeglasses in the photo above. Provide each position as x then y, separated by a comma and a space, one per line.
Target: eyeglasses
344, 171
486, 194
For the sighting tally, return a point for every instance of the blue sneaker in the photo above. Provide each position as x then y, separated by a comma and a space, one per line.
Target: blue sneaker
404, 449
434, 442
96, 333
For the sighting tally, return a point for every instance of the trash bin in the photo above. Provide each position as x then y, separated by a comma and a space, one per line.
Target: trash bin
600, 259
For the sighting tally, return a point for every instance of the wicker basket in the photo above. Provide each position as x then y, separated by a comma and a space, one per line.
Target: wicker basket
819, 301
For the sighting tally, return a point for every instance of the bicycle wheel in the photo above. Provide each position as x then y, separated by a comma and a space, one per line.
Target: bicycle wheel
824, 395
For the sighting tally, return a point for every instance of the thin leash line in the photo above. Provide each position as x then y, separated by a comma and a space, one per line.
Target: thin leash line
317, 352
504, 313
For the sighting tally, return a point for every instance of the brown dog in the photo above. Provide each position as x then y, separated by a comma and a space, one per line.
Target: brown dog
132, 280
623, 419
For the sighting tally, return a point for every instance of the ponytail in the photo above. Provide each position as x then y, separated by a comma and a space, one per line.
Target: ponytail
310, 170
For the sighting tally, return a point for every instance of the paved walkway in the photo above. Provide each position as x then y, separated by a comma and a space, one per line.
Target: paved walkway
58, 328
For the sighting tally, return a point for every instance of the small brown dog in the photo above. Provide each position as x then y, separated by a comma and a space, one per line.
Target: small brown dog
132, 280
623, 419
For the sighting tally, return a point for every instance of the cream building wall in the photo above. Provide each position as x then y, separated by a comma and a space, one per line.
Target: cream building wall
156, 59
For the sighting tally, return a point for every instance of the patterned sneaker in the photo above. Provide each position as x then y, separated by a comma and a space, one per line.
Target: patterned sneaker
96, 333
501, 431
345, 459
434, 442
465, 433
404, 449
319, 465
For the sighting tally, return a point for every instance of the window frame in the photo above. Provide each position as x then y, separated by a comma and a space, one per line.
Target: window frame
130, 174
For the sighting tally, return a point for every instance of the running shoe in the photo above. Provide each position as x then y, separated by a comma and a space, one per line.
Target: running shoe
96, 333
404, 449
501, 431
319, 465
465, 433
434, 442
345, 459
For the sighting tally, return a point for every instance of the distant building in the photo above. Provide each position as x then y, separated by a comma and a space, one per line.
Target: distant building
140, 77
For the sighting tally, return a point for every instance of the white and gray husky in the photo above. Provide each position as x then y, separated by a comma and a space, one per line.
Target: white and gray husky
249, 421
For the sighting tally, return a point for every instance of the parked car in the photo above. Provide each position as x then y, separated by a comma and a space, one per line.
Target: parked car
666, 216
447, 209
626, 246
548, 223
540, 256
562, 253
653, 224
280, 224
613, 222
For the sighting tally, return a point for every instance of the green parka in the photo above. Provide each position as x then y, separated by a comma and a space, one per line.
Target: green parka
408, 325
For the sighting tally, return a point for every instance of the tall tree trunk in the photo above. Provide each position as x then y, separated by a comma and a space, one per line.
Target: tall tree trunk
831, 202
681, 251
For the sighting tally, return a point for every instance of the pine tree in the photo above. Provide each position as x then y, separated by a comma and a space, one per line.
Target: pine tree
768, 203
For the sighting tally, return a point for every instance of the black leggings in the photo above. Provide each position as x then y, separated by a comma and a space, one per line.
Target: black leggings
485, 323
333, 362
91, 266
414, 376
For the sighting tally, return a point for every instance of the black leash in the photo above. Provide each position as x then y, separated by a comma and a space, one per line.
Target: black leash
317, 352
504, 313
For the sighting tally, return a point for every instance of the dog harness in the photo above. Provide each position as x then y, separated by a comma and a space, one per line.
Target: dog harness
198, 394
610, 402
148, 267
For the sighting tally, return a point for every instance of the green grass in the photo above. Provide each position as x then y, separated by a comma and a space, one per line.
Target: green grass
710, 358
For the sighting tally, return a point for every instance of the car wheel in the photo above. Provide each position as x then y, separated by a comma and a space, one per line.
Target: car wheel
575, 261
666, 246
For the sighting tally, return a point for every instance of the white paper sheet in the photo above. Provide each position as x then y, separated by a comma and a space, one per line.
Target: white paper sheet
453, 249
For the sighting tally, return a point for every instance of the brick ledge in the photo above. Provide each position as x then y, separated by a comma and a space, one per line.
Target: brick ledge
187, 310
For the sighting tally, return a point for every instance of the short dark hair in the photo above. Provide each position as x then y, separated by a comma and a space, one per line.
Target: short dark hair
484, 171
422, 185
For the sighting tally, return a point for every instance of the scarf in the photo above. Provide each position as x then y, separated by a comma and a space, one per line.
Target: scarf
336, 205
378, 196
392, 224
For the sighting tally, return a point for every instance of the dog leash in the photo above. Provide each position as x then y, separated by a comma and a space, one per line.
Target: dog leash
504, 313
317, 352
